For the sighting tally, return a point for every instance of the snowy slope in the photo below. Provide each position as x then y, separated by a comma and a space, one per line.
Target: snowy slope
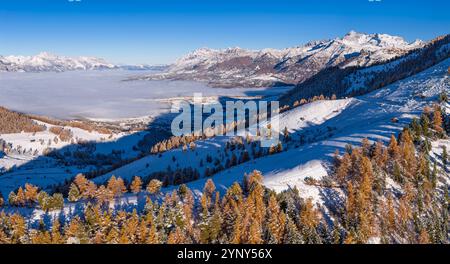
25, 162
323, 111
366, 116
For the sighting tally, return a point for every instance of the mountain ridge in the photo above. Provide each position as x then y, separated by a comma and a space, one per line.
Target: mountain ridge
45, 61
237, 67
361, 79
49, 62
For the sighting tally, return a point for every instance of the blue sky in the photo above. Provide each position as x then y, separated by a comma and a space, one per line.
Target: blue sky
159, 31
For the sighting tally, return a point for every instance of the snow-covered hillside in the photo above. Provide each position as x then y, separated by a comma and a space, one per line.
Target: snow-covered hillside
327, 125
240, 67
30, 157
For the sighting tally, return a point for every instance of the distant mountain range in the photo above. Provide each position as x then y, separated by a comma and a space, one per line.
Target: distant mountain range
311, 67
236, 67
47, 62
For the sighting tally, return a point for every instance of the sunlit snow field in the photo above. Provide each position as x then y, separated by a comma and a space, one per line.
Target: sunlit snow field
101, 94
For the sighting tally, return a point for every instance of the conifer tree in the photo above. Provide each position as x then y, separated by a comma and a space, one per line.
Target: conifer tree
344, 167
272, 150
390, 213
204, 225
18, 229
365, 201
336, 233
279, 147
424, 237
237, 231
56, 236
31, 193
309, 219
245, 156
136, 185
231, 204
20, 197
437, 120
379, 154
99, 238
215, 224
74, 193
103, 195
209, 188
365, 145
444, 156
154, 186
336, 159
417, 129
393, 148
57, 201
434, 175
112, 184
75, 232
350, 207
443, 97
425, 122
276, 220
254, 232
407, 153
397, 173
43, 198
190, 220
121, 188
90, 191
291, 233
81, 182
286, 134
113, 236
350, 238
152, 234
404, 213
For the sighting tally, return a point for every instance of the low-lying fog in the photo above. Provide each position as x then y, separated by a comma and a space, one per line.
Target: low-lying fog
101, 94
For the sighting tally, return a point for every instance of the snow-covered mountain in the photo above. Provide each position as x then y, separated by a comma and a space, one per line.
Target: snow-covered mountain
144, 67
45, 61
235, 67
360, 77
